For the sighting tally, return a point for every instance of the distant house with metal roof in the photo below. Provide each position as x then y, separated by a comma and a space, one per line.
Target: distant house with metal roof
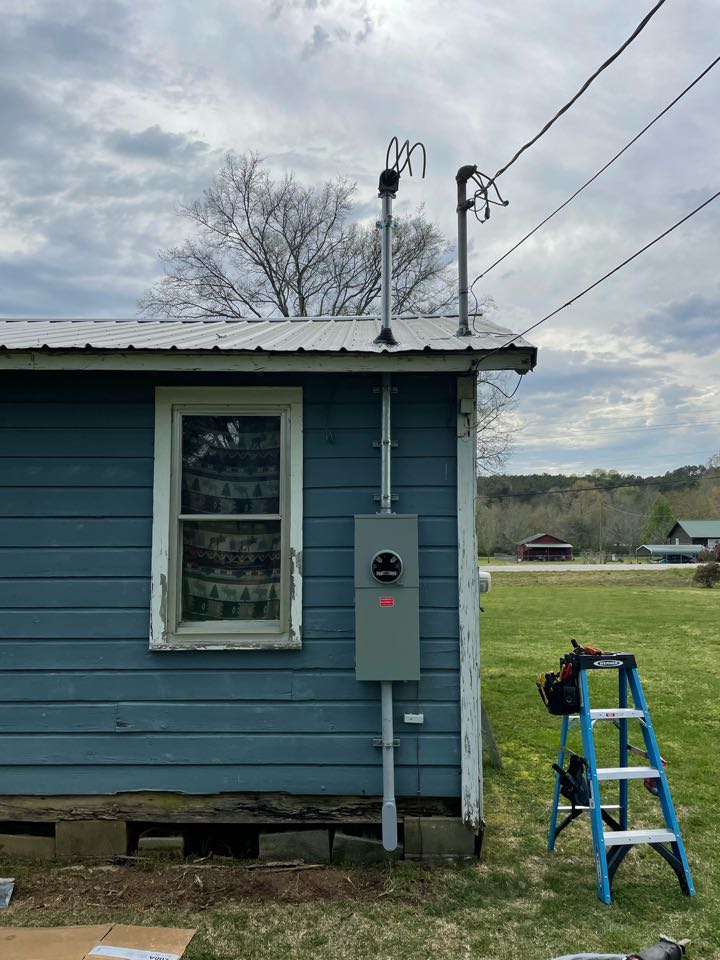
670, 553
544, 546
179, 503
704, 533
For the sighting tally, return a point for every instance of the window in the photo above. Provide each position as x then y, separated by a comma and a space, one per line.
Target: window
227, 523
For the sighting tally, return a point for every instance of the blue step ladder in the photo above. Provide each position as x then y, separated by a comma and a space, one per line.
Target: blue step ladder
611, 845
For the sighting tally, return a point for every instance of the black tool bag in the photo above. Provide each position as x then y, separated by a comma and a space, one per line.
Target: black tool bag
560, 692
573, 781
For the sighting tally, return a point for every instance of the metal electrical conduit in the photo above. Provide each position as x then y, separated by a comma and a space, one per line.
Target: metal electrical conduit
388, 185
389, 809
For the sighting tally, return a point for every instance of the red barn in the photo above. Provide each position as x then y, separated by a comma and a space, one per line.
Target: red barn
544, 546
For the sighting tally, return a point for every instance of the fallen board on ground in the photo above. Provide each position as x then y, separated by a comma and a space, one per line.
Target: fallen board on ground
108, 941
7, 885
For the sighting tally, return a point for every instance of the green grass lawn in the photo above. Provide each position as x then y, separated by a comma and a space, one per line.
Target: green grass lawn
672, 629
519, 903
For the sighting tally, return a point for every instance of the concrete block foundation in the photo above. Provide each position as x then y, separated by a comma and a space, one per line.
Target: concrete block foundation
165, 847
21, 847
361, 850
438, 838
312, 846
83, 839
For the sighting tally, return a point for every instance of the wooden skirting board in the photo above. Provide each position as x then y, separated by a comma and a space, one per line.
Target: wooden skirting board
217, 808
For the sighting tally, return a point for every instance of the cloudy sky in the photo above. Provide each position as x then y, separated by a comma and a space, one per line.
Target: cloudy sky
113, 113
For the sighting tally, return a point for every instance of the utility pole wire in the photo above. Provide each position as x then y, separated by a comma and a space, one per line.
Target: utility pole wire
605, 276
508, 396
638, 428
628, 513
640, 27
599, 172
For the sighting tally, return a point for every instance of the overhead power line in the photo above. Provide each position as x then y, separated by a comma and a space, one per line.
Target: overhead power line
597, 283
508, 396
628, 513
640, 27
640, 416
526, 456
638, 428
599, 172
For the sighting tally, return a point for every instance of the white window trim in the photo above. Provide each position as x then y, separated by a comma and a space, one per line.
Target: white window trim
265, 399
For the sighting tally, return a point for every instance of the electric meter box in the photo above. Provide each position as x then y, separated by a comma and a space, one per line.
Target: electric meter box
387, 627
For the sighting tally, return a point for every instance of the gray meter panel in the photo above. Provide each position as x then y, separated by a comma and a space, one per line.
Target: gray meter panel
382, 533
387, 630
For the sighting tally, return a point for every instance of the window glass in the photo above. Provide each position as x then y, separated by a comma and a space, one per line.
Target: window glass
231, 570
230, 464
227, 521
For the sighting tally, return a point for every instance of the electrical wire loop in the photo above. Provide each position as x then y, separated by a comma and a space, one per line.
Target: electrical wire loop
390, 176
486, 194
403, 156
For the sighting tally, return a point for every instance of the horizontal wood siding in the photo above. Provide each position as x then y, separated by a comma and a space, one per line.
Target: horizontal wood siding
85, 707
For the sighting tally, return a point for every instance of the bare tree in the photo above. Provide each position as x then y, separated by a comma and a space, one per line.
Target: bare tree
622, 526
262, 248
496, 430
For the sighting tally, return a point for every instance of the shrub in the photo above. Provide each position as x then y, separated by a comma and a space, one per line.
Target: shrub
705, 555
707, 574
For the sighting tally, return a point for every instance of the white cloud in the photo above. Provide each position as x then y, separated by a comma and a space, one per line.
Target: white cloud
113, 116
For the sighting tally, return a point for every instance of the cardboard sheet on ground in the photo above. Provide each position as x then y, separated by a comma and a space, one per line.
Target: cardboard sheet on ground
104, 942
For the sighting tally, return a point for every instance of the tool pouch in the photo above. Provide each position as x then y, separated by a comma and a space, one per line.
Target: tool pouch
573, 781
560, 692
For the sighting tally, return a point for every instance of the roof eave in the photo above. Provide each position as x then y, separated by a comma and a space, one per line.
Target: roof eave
519, 358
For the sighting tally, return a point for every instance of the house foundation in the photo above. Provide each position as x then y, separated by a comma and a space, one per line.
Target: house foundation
274, 827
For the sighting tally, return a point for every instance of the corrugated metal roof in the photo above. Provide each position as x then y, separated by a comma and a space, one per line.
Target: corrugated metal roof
663, 549
701, 528
312, 334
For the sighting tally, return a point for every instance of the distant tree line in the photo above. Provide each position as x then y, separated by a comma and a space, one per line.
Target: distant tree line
602, 512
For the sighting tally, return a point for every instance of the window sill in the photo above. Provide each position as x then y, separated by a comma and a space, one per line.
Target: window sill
228, 642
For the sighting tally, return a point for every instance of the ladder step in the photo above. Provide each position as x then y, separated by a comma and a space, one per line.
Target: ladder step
614, 838
616, 713
603, 806
612, 713
626, 773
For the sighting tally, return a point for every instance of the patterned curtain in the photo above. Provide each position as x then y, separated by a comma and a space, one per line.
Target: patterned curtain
231, 567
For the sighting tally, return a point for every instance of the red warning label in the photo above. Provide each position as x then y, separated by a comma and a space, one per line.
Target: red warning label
387, 601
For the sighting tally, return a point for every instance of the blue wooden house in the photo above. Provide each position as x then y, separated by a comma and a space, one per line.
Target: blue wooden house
176, 566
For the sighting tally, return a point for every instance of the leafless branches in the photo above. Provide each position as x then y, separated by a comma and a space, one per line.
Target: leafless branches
262, 247
496, 428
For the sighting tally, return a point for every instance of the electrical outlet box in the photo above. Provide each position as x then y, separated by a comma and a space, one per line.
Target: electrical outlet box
413, 718
387, 629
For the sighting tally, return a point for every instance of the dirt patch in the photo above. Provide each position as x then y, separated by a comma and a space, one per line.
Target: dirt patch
201, 886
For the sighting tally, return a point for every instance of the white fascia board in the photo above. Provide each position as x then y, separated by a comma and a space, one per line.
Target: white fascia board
227, 362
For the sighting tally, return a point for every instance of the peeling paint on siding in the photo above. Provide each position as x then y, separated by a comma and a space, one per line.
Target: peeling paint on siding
468, 611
